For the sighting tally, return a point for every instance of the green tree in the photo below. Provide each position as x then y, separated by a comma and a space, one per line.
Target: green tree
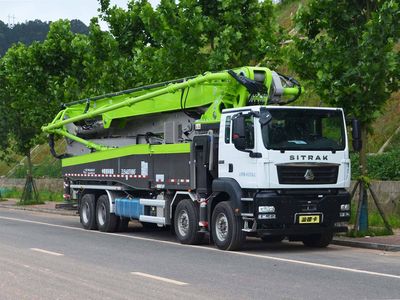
240, 32
192, 36
36, 79
347, 50
20, 107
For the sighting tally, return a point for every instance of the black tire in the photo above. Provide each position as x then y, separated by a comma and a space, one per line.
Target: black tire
122, 224
106, 221
87, 212
227, 228
186, 223
272, 238
318, 240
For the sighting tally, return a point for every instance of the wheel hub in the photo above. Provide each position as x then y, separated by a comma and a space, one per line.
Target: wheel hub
222, 227
183, 223
85, 213
101, 214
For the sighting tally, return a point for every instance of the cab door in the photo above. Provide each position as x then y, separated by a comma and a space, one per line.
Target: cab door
238, 163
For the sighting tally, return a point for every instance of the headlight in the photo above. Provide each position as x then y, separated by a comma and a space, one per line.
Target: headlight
266, 209
344, 207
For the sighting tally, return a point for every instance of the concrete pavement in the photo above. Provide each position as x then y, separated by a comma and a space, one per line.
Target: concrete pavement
48, 256
385, 243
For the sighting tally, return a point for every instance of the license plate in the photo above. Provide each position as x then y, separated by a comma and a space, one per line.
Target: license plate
309, 219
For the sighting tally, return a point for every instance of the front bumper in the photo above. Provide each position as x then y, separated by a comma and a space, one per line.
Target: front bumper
290, 205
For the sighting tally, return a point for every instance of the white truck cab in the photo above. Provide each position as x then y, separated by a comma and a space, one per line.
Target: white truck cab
292, 165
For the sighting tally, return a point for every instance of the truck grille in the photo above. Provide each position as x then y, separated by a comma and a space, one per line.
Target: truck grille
307, 173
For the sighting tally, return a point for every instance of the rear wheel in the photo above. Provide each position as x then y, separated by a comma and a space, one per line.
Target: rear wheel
318, 240
186, 222
87, 212
106, 221
227, 228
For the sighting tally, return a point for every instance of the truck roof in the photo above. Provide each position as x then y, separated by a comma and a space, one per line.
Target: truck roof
257, 108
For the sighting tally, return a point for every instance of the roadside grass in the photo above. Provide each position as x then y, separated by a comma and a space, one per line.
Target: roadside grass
44, 195
376, 227
375, 220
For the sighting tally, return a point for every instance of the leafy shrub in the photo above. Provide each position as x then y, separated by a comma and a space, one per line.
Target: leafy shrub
11, 193
384, 166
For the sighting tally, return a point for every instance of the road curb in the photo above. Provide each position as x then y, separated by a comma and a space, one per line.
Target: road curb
366, 245
44, 210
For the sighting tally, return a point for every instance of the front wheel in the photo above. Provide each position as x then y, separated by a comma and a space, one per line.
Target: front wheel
318, 240
186, 222
227, 228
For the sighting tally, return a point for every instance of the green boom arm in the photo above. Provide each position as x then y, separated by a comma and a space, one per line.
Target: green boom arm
211, 91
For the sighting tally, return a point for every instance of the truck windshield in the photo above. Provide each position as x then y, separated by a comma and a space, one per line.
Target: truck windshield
304, 129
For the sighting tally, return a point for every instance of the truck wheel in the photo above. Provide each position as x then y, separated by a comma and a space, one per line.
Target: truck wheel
318, 240
227, 228
106, 221
87, 212
186, 222
272, 238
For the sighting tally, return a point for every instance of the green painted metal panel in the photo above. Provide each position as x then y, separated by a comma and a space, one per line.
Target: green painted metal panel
125, 151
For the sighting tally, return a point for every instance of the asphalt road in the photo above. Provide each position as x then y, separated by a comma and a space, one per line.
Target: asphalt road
46, 256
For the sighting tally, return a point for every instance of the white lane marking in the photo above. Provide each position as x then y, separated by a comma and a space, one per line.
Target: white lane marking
274, 258
47, 252
159, 278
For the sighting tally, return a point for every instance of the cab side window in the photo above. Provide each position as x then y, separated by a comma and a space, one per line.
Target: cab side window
249, 120
227, 129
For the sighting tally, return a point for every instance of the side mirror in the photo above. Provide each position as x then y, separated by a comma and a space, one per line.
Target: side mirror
356, 134
265, 116
239, 132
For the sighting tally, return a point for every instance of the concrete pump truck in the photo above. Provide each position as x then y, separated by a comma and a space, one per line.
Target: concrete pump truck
216, 154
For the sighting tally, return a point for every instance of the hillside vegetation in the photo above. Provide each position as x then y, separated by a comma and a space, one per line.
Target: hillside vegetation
388, 120
117, 52
31, 31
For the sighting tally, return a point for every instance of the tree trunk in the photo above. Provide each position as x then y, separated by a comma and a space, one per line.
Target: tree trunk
363, 153
363, 200
29, 163
29, 193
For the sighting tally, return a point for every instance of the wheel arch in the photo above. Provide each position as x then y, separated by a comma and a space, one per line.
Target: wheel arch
84, 192
178, 197
112, 195
226, 189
